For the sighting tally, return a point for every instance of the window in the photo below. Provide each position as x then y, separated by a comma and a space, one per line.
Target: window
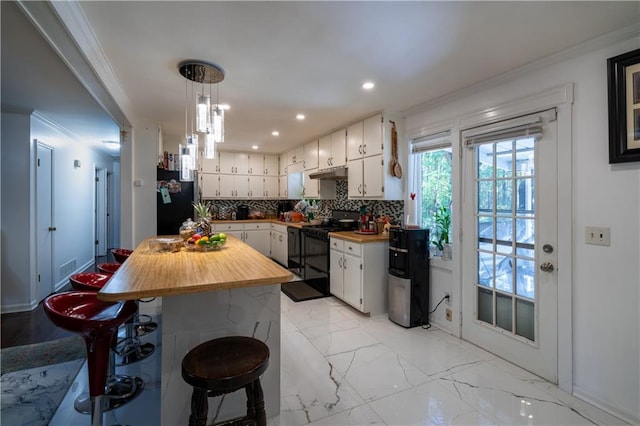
432, 162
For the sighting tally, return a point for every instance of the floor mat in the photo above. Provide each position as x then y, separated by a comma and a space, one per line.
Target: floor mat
299, 291
18, 358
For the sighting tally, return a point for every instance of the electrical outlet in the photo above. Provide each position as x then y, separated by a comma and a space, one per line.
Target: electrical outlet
448, 314
599, 236
448, 298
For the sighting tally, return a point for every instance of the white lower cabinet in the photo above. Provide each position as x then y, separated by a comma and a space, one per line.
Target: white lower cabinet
257, 235
358, 274
279, 247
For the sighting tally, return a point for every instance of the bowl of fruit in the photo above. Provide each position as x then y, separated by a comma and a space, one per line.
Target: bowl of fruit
211, 242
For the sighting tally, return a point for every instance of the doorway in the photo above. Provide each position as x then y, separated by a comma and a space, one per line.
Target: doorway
45, 228
101, 212
510, 285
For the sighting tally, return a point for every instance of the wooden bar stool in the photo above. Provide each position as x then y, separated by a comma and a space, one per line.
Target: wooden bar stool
222, 366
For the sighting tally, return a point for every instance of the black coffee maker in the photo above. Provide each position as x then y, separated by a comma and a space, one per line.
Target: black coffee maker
242, 212
284, 206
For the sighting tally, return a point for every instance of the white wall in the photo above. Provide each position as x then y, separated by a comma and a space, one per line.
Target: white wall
17, 226
73, 206
606, 280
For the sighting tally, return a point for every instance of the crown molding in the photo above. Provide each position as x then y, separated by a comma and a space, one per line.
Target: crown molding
45, 120
65, 27
611, 38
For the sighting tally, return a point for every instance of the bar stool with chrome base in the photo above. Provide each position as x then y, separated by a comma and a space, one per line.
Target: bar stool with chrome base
97, 322
120, 254
130, 349
120, 388
223, 366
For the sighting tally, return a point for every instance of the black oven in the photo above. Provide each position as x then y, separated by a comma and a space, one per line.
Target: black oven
294, 250
315, 245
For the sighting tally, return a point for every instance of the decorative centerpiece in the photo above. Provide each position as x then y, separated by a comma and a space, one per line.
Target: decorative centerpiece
203, 222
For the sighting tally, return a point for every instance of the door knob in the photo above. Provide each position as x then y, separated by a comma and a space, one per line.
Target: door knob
547, 267
52, 228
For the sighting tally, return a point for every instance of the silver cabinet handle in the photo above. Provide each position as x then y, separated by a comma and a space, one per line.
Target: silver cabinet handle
360, 189
344, 263
340, 262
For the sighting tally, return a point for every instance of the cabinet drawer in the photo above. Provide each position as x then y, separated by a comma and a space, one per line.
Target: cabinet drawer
279, 228
254, 226
336, 244
352, 248
229, 227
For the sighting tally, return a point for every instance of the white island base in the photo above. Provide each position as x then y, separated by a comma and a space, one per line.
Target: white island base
190, 319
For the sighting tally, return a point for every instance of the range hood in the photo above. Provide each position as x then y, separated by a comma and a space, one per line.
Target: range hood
334, 173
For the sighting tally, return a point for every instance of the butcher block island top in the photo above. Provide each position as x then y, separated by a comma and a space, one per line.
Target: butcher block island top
150, 274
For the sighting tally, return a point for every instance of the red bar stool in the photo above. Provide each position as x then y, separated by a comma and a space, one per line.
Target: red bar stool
120, 255
130, 349
97, 322
108, 268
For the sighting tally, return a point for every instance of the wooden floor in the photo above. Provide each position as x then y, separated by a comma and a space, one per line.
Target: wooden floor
24, 328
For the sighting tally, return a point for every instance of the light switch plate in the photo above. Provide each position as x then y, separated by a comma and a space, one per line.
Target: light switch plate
599, 236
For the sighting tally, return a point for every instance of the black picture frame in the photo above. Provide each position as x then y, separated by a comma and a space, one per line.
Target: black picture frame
623, 79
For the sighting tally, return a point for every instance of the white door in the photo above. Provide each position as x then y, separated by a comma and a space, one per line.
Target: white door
509, 285
100, 206
45, 227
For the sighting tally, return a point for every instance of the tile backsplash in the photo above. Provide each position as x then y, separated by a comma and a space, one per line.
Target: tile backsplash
393, 209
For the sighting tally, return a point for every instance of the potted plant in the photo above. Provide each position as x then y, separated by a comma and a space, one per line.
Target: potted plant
441, 234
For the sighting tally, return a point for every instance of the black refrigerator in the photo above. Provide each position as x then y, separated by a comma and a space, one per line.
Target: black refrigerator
174, 200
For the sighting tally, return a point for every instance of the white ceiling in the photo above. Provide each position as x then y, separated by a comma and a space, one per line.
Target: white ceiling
284, 58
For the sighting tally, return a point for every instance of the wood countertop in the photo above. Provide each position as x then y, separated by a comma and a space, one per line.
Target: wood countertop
149, 274
359, 238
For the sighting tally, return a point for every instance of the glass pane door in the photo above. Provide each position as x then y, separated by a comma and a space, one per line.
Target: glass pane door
505, 219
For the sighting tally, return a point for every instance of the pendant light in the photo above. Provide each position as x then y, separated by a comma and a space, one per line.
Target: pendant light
209, 119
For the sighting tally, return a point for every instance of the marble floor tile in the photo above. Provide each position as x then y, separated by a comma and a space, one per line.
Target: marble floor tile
340, 367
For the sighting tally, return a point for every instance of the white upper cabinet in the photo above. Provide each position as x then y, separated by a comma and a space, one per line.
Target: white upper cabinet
373, 142
209, 166
339, 148
295, 156
271, 165
354, 141
311, 155
282, 164
256, 165
234, 163
324, 152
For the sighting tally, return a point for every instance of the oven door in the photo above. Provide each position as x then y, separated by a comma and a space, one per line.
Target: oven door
294, 243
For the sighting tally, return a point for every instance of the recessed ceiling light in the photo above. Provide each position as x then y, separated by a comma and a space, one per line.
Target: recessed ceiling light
368, 85
254, 147
300, 117
275, 133
115, 145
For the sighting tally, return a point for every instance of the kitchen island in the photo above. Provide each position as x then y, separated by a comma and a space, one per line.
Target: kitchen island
205, 295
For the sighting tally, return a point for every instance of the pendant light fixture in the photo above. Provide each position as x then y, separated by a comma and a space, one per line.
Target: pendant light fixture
209, 119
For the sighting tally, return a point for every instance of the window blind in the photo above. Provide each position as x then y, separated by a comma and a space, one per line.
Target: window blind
431, 142
521, 127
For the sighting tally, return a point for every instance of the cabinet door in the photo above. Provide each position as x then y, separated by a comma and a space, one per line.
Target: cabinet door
242, 186
209, 166
256, 165
354, 141
311, 155
242, 163
352, 280
373, 176
372, 136
355, 186
310, 185
271, 165
339, 148
283, 187
336, 281
271, 187
259, 240
227, 186
256, 186
324, 152
227, 161
295, 156
282, 164
209, 185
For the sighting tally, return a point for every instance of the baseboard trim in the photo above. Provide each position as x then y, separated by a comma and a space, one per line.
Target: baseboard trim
605, 406
21, 307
